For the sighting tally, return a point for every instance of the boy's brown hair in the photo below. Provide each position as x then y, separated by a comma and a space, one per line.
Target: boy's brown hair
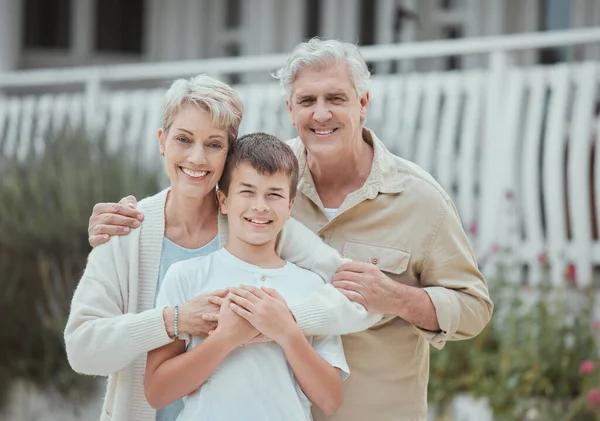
266, 153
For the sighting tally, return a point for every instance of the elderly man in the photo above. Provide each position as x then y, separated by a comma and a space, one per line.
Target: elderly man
411, 260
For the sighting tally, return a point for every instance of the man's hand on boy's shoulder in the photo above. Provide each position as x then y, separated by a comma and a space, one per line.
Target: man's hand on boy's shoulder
265, 309
110, 219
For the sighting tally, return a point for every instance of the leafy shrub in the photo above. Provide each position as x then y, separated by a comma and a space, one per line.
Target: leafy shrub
45, 203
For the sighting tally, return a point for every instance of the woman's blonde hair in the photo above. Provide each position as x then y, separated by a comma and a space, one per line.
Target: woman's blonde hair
217, 98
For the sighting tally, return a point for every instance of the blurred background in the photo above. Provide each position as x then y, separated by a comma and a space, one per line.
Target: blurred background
498, 99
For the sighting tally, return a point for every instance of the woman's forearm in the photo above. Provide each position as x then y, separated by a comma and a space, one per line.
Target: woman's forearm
94, 338
183, 374
321, 382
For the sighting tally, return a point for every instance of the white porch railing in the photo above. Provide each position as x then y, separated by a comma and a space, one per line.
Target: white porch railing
529, 134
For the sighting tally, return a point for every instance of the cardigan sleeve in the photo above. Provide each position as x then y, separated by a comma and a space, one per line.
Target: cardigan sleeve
101, 337
326, 311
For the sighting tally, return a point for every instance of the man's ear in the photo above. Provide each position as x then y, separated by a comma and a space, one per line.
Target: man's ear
222, 201
291, 205
364, 106
289, 107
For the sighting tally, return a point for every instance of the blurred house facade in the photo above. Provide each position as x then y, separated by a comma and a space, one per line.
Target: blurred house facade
64, 33
489, 96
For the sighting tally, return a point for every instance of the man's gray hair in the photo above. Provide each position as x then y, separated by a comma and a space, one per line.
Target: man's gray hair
321, 53
218, 99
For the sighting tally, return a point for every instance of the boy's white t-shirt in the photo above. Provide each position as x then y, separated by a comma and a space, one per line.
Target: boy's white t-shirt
254, 382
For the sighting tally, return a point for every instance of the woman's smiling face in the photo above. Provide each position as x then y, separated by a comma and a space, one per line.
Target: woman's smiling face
195, 151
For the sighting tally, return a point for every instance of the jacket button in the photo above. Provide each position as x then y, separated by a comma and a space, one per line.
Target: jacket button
263, 278
375, 260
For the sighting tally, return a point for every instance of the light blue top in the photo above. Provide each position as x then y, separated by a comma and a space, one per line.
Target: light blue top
173, 253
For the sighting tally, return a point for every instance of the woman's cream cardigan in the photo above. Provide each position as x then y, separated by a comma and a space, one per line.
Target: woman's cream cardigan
113, 322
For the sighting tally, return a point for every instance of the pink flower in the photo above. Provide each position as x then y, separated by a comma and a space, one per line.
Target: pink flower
473, 228
510, 195
593, 398
542, 259
571, 274
495, 248
596, 325
587, 367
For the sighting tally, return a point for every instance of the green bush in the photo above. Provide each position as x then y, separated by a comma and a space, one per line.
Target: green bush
45, 203
528, 361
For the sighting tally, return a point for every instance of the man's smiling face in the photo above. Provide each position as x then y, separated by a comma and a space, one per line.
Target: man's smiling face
326, 109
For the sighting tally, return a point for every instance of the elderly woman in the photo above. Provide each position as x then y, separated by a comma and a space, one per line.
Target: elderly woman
113, 323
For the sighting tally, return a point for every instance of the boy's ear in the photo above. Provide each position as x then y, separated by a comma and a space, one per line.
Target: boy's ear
292, 204
222, 201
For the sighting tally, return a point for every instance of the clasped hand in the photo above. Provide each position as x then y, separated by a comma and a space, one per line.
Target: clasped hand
262, 308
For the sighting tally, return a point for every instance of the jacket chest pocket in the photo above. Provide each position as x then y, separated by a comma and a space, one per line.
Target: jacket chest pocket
388, 259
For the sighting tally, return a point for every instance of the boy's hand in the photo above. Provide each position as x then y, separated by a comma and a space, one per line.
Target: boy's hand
233, 328
266, 310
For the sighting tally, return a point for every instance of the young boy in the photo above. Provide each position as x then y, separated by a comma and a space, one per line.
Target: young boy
222, 378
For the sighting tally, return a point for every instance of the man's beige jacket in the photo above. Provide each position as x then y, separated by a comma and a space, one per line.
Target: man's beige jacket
403, 222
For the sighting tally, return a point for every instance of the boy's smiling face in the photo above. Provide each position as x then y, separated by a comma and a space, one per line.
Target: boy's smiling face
257, 205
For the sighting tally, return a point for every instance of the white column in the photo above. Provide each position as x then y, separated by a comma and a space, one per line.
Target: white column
531, 23
408, 33
584, 13
384, 22
214, 29
10, 34
578, 12
384, 29
172, 41
496, 17
292, 24
430, 29
259, 35
153, 30
473, 27
82, 36
593, 50
348, 20
261, 22
329, 14
192, 32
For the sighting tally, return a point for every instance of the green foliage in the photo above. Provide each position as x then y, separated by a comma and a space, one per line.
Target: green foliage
45, 204
526, 362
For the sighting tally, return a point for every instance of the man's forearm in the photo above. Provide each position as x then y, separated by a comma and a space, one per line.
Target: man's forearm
415, 306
